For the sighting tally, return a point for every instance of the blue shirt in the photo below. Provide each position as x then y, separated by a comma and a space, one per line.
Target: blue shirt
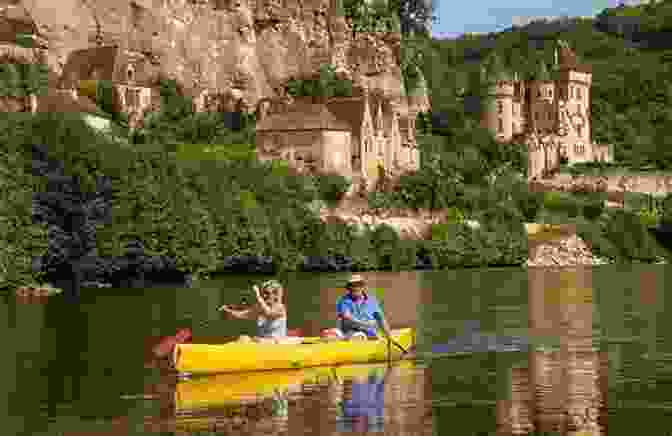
364, 309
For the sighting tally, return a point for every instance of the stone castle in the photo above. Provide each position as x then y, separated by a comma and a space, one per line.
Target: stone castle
364, 136
550, 114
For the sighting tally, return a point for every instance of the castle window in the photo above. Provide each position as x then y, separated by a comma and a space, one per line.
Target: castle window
536, 116
539, 93
500, 107
550, 116
578, 93
579, 148
500, 127
579, 129
515, 110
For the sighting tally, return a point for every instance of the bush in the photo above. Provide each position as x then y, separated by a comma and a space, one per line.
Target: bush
22, 239
560, 203
593, 207
332, 187
530, 203
632, 239
456, 245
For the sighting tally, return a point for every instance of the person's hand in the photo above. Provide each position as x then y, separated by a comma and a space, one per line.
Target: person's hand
257, 292
371, 324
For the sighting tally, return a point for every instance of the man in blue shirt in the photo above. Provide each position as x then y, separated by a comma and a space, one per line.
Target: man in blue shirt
359, 313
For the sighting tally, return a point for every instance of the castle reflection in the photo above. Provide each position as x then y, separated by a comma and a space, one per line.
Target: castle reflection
563, 388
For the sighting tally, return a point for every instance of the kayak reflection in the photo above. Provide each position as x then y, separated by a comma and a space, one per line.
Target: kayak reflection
356, 393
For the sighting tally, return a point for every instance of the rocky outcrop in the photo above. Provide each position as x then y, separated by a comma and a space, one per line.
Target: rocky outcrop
408, 224
247, 49
565, 251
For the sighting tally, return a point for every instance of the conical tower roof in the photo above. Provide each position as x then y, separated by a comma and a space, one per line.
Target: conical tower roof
567, 59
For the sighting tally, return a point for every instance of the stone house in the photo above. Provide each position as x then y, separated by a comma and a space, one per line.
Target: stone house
130, 73
309, 137
550, 114
361, 136
14, 25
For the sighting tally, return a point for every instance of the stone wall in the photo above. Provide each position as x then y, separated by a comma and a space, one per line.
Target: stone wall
646, 183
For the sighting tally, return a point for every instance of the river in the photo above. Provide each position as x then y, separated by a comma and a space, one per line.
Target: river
599, 359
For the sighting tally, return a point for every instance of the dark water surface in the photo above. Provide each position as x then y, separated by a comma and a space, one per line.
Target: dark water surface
576, 352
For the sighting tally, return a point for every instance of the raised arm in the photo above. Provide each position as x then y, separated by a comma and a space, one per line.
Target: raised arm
248, 313
269, 311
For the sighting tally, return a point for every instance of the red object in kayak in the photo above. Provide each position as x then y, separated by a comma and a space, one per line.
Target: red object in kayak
294, 333
165, 347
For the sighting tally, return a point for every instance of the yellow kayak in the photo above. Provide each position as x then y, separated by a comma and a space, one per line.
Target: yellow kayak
226, 389
244, 357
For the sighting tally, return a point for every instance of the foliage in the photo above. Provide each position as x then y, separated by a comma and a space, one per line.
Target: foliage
326, 85
20, 80
589, 206
22, 239
631, 238
530, 203
176, 123
332, 187
457, 245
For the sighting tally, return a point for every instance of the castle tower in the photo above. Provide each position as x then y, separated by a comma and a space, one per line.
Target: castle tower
498, 111
543, 101
574, 81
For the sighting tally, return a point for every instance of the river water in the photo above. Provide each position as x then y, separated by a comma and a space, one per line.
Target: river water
598, 360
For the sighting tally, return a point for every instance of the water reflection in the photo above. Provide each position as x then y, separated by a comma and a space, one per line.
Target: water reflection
366, 399
530, 361
560, 391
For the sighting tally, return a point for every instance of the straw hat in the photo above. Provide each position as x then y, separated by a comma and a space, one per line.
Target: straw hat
356, 278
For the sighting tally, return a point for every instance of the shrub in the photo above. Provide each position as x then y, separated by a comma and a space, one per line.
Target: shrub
332, 187
560, 203
625, 230
529, 204
454, 215
22, 239
593, 208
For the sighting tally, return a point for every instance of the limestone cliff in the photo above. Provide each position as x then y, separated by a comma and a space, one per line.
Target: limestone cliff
248, 48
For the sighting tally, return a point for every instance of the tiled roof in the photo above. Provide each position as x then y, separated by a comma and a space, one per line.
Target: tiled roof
303, 117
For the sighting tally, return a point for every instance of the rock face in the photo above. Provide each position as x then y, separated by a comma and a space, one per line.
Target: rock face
246, 48
567, 251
